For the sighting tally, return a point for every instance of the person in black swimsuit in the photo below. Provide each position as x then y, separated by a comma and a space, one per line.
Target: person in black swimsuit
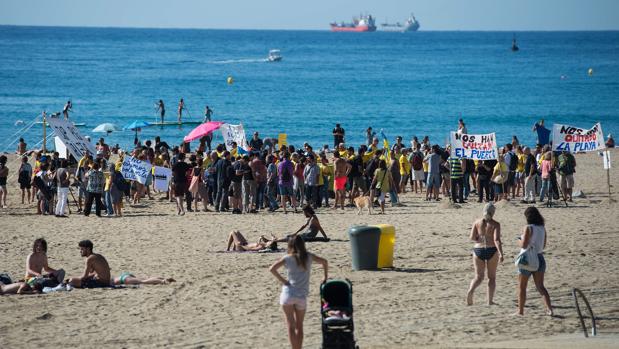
486, 232
161, 110
310, 229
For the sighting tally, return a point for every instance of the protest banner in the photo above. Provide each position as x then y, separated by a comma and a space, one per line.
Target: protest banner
62, 150
282, 139
476, 147
574, 139
234, 133
135, 170
162, 177
75, 143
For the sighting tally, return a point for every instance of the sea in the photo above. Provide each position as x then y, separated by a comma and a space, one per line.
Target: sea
405, 84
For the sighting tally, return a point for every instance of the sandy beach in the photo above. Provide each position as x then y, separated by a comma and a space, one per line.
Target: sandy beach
230, 300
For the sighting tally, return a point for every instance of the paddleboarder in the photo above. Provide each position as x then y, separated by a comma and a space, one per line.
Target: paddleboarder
161, 109
67, 108
181, 106
208, 112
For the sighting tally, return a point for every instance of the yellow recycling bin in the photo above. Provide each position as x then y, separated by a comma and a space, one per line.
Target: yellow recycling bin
386, 245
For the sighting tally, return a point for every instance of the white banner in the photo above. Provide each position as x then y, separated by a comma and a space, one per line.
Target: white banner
135, 170
162, 178
573, 139
476, 147
61, 148
234, 133
71, 137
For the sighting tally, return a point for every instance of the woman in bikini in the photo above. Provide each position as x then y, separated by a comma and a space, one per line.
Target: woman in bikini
310, 229
486, 232
239, 243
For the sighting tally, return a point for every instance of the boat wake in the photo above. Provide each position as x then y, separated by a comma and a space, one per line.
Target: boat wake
244, 60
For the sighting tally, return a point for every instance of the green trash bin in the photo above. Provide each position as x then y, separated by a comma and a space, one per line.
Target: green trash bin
364, 242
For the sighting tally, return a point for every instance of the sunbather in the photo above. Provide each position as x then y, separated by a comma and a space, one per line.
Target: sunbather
237, 241
16, 288
130, 279
310, 229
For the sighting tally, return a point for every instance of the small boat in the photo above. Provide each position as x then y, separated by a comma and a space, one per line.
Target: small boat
274, 56
175, 123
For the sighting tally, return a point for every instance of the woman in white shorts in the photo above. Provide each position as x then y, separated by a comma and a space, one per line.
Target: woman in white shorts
293, 298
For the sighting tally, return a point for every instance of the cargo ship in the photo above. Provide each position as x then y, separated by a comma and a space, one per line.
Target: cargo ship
411, 25
359, 24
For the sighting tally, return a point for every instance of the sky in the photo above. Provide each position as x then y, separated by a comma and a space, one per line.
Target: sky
508, 15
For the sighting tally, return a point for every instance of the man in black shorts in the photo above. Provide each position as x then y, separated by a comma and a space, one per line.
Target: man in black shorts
97, 271
179, 181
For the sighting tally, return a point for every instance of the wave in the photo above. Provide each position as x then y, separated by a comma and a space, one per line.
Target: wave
243, 60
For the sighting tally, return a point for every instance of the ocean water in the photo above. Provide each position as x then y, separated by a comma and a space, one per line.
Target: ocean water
407, 84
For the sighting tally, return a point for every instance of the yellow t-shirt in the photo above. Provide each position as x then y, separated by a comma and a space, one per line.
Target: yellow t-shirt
405, 165
108, 180
521, 160
425, 166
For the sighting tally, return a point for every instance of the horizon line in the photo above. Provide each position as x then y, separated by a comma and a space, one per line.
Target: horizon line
295, 29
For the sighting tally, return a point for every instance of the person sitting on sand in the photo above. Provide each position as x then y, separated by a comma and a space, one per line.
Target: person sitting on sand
239, 243
36, 265
126, 278
97, 270
486, 232
310, 229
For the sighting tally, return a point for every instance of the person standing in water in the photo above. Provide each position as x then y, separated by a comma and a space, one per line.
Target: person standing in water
181, 106
161, 110
486, 232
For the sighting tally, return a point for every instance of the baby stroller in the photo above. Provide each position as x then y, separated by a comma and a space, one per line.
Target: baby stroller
338, 329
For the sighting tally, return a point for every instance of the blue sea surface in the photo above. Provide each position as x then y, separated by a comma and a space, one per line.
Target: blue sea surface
412, 84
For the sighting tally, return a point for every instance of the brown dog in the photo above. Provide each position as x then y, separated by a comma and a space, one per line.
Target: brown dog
362, 202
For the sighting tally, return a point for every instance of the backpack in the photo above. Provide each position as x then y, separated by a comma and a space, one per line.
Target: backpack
286, 175
513, 164
417, 161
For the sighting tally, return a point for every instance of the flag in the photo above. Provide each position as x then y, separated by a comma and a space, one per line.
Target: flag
385, 147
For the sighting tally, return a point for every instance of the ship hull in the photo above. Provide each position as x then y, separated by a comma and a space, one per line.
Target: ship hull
357, 29
400, 29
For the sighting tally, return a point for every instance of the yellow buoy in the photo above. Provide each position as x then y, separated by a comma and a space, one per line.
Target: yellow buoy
590, 71
230, 80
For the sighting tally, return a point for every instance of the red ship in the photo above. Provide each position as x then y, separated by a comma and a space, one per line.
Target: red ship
361, 24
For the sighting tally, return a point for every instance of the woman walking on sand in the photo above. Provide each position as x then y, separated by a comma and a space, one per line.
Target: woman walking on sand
486, 233
534, 235
295, 290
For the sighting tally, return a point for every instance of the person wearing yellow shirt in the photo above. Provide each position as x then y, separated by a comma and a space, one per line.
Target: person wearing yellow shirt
520, 170
326, 176
405, 169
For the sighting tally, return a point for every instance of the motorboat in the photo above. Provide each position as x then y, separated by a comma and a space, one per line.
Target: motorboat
274, 56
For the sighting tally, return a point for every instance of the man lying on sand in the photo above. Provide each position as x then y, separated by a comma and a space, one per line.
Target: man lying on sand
16, 288
97, 271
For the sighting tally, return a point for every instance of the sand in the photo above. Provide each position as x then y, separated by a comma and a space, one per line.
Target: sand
230, 300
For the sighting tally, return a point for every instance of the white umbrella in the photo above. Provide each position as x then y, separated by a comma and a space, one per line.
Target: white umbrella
106, 127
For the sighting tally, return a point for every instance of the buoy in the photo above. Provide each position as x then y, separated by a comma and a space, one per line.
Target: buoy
590, 71
230, 80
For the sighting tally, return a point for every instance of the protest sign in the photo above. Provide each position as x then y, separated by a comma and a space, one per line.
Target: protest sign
135, 170
62, 150
606, 156
234, 133
162, 177
574, 139
75, 143
476, 147
282, 139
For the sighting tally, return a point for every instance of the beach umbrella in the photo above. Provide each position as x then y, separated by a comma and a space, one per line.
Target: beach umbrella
106, 127
203, 130
135, 126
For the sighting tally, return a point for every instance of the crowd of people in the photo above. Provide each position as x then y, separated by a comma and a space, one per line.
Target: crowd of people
271, 177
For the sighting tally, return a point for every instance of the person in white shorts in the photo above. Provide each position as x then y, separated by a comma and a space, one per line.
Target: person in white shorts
293, 298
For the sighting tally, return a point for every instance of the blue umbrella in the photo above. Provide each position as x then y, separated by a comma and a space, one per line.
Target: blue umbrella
135, 126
